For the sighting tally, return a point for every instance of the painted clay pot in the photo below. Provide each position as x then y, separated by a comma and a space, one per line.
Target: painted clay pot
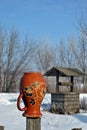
32, 92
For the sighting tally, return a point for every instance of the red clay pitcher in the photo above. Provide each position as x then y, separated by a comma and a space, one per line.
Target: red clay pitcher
32, 92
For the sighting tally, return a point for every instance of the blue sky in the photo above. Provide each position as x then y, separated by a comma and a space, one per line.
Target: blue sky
49, 20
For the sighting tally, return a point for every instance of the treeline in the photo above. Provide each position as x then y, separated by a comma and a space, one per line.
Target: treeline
18, 55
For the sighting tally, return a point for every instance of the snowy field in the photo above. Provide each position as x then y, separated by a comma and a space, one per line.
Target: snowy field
11, 118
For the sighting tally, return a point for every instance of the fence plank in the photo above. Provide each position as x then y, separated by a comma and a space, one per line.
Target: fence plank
33, 123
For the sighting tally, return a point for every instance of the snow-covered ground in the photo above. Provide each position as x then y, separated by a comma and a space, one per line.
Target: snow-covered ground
11, 118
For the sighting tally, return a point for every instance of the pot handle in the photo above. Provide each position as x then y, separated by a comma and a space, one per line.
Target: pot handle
18, 103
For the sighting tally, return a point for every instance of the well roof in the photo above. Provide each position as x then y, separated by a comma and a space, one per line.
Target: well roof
60, 71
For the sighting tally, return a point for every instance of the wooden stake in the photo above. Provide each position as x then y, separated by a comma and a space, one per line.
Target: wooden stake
33, 123
1, 127
77, 129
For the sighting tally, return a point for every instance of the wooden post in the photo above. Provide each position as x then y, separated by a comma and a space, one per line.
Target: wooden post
1, 127
33, 123
71, 87
57, 85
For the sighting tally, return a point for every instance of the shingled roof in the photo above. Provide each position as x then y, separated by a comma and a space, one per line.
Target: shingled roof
63, 72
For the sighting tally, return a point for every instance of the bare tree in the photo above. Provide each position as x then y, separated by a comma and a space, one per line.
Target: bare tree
61, 53
70, 59
45, 57
2, 40
82, 27
80, 53
83, 30
65, 56
15, 56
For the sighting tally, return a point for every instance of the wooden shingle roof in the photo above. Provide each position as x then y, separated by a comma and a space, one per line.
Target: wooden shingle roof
55, 71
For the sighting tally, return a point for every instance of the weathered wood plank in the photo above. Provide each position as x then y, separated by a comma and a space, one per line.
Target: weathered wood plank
57, 97
71, 95
69, 111
71, 108
33, 123
71, 104
71, 100
65, 83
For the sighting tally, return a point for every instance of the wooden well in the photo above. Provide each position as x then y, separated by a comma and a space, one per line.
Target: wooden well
65, 103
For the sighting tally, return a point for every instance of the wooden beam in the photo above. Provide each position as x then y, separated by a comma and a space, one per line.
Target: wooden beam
57, 85
65, 83
71, 87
